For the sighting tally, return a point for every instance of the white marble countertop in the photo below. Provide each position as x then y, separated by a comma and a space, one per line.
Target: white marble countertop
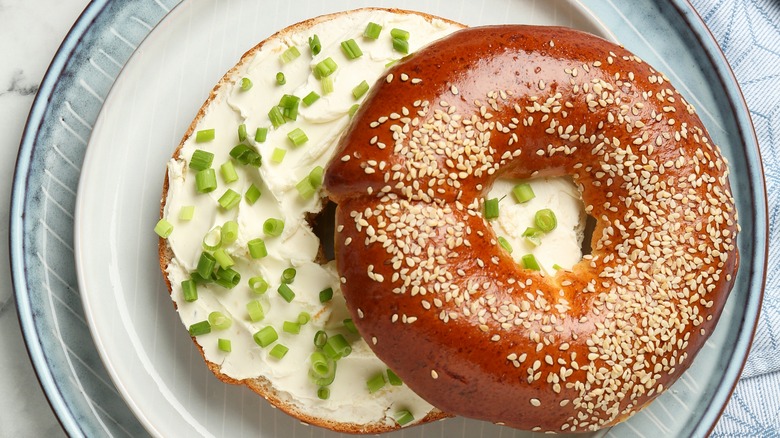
30, 33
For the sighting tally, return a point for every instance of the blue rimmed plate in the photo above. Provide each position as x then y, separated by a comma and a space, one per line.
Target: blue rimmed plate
130, 298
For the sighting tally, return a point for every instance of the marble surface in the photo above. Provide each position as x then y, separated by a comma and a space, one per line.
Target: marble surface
30, 33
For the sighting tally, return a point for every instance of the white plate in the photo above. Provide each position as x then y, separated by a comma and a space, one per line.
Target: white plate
142, 342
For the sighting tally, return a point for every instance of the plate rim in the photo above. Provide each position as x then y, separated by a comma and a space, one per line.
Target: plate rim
86, 21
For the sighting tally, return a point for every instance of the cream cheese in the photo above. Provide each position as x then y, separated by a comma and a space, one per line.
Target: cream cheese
297, 246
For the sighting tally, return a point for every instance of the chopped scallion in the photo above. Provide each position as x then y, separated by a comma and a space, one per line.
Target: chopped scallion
204, 135
523, 192
288, 105
246, 84
533, 236
266, 336
278, 351
316, 175
206, 181
304, 318
252, 194
323, 369
376, 383
286, 293
400, 34
288, 275
314, 45
545, 220
353, 109
350, 325
291, 327
201, 160
227, 278
323, 393
261, 134
258, 285
403, 417
320, 338
242, 132
297, 137
255, 311
229, 232
360, 90
229, 199
311, 98
305, 188
290, 54
505, 244
401, 46
276, 117
200, 328
224, 345
351, 49
337, 347
213, 239
223, 258
189, 290
393, 378
327, 85
491, 208
529, 262
325, 68
273, 227
246, 155
326, 295
257, 249
186, 212
228, 172
557, 267
206, 264
372, 31
163, 228
219, 321
278, 155
280, 79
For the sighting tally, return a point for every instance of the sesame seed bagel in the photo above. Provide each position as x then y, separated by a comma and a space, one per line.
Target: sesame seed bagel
449, 310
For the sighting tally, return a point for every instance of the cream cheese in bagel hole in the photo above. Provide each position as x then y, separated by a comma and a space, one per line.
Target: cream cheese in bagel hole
286, 382
450, 310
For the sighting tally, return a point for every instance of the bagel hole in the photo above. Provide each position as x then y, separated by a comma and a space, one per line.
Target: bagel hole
324, 226
587, 236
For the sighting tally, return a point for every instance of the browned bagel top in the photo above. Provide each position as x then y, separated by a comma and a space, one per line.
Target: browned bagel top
449, 310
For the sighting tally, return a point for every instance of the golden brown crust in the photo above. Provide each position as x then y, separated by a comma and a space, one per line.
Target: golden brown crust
262, 385
449, 310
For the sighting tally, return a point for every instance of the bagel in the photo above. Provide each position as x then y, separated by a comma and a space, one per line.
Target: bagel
190, 220
450, 310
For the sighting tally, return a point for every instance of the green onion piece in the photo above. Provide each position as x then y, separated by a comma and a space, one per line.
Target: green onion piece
505, 244
360, 90
533, 236
252, 194
246, 155
523, 192
213, 239
246, 84
351, 49
337, 347
401, 46
557, 267
545, 220
279, 351
353, 109
291, 327
280, 79
273, 227
163, 228
200, 328
219, 321
276, 116
278, 155
316, 175
228, 172
326, 295
227, 278
190, 290
186, 212
204, 135
400, 34
314, 45
258, 285
242, 132
206, 181
391, 63
491, 208
320, 338
403, 417
350, 325
376, 383
327, 85
201, 159
223, 258
255, 311
372, 31
319, 363
261, 134
325, 68
229, 232
229, 199
329, 369
289, 54
288, 105
288, 275
257, 249
224, 345
323, 393
198, 279
303, 318
297, 137
286, 293
529, 262
266, 336
206, 264
305, 189
311, 98
393, 378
